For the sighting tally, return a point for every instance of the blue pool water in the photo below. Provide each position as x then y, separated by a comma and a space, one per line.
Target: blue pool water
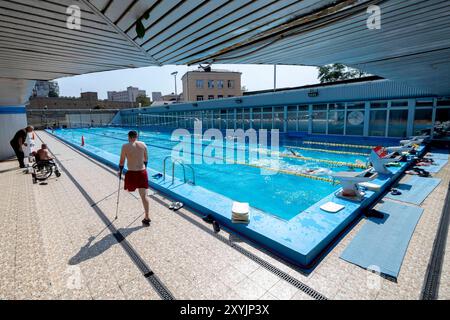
284, 194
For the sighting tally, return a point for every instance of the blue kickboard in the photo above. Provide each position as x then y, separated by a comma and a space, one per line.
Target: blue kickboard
415, 190
381, 244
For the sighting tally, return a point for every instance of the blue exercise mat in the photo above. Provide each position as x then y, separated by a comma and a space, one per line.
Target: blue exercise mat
437, 165
415, 190
381, 244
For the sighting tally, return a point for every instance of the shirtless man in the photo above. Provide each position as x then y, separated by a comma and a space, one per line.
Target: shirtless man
135, 152
43, 154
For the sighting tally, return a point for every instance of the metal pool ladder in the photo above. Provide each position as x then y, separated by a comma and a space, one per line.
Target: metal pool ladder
183, 165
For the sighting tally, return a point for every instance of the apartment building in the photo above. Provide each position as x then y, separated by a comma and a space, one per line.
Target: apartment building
210, 84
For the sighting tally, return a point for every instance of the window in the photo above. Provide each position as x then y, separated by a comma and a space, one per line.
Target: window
399, 104
219, 97
199, 84
422, 121
378, 105
336, 117
292, 118
319, 118
278, 118
199, 98
303, 118
211, 84
256, 118
220, 84
231, 84
397, 123
377, 124
210, 97
230, 96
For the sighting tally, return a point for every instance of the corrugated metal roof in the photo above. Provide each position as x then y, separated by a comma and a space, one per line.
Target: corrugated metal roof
364, 91
413, 44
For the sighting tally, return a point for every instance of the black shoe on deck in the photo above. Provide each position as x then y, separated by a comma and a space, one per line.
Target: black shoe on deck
146, 222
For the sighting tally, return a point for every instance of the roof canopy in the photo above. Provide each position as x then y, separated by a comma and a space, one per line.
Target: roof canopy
412, 46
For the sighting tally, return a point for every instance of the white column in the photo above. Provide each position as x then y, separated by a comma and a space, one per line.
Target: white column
14, 94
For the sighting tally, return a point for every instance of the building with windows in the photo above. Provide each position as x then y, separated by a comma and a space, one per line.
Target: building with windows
45, 88
366, 107
157, 96
210, 84
129, 95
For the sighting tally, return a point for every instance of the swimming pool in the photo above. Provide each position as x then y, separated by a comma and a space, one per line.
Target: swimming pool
285, 214
283, 193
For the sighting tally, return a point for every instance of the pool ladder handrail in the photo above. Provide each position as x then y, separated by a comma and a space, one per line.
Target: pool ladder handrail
183, 165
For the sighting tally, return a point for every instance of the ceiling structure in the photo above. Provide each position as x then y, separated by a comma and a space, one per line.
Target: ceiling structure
412, 46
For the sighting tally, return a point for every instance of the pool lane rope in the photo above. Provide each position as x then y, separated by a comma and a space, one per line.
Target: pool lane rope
339, 144
293, 173
330, 162
329, 151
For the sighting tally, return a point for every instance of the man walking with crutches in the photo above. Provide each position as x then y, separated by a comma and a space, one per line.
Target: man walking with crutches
135, 152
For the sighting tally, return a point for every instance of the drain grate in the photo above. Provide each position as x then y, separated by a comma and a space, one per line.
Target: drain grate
151, 277
268, 266
430, 288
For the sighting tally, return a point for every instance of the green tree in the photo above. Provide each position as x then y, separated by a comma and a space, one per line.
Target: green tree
143, 100
338, 71
53, 94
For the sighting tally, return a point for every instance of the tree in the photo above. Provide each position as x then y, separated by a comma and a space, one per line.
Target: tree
143, 100
53, 94
338, 71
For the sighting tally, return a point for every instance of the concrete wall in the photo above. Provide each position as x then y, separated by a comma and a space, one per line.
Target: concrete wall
12, 118
14, 94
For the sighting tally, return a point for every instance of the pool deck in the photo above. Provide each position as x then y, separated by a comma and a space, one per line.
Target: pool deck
46, 252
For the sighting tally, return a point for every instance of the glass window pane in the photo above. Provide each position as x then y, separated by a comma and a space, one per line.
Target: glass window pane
377, 124
378, 105
397, 123
355, 123
239, 119
442, 115
356, 105
278, 118
422, 121
398, 104
292, 118
256, 118
267, 118
319, 118
336, 122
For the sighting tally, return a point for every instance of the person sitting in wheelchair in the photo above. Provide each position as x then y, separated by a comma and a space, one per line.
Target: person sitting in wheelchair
43, 156
44, 165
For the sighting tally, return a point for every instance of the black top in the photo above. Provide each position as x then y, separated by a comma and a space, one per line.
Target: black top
22, 133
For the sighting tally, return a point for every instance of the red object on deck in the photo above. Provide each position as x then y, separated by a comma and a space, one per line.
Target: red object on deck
380, 151
82, 141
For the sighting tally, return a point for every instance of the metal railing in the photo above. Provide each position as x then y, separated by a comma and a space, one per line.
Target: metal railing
183, 165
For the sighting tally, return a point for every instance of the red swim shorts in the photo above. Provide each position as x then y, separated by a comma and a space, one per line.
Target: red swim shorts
136, 180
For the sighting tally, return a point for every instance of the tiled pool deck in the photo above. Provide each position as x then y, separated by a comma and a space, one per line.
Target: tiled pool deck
45, 248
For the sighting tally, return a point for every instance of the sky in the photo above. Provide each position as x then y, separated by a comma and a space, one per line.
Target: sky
254, 77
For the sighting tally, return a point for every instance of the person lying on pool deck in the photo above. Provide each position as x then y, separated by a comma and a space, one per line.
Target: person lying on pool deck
135, 152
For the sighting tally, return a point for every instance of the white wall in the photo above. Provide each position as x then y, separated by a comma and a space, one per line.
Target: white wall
9, 124
14, 93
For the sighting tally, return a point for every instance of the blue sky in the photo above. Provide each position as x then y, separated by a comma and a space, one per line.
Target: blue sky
254, 77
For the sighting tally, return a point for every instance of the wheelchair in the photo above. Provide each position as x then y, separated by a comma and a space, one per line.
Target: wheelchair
43, 169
